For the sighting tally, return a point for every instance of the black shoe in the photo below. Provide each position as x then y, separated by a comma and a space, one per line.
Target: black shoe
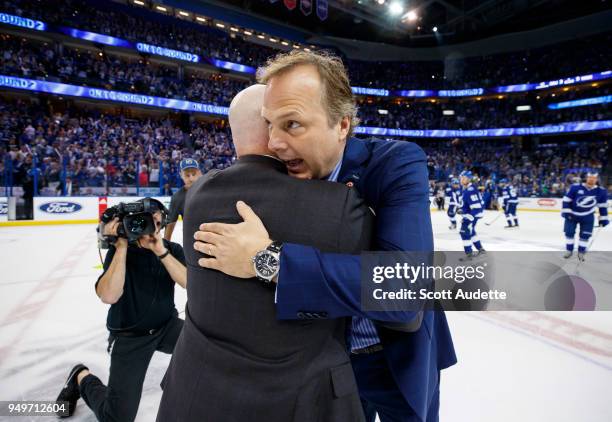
568, 254
70, 391
581, 256
508, 227
481, 252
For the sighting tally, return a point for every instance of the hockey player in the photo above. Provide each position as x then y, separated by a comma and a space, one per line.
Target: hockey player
453, 192
472, 211
509, 203
579, 204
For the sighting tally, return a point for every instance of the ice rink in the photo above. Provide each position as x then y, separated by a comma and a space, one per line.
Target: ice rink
513, 366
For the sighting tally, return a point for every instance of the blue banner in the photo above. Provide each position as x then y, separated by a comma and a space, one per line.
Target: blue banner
22, 22
488, 133
190, 106
233, 66
322, 9
370, 91
306, 7
115, 96
461, 92
95, 37
555, 83
167, 52
581, 103
415, 93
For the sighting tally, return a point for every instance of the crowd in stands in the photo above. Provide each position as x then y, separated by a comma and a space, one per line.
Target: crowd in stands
30, 59
136, 24
94, 149
546, 170
491, 112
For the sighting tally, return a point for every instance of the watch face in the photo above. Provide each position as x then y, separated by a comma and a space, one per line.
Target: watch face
266, 264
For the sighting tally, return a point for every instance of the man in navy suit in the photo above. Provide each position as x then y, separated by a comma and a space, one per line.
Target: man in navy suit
311, 113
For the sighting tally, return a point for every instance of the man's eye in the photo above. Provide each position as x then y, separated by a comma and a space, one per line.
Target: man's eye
293, 124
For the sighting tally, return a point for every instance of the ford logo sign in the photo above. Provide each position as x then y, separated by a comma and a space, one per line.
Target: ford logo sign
547, 202
60, 207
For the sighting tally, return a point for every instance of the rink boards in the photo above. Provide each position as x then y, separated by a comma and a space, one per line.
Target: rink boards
85, 210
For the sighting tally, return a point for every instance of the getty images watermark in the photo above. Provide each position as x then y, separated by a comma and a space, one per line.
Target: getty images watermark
536, 281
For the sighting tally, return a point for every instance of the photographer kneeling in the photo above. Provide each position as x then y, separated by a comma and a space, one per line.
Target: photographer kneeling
140, 270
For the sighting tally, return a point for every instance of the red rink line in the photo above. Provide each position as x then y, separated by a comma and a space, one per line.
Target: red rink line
41, 294
534, 325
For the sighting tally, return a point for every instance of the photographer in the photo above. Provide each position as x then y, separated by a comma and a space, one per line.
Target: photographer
140, 271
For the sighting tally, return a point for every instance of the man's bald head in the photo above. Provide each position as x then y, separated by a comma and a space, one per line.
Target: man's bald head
249, 129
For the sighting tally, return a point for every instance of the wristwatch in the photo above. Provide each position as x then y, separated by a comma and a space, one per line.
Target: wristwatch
267, 262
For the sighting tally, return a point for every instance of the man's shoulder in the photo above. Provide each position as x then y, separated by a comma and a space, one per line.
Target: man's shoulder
203, 180
392, 150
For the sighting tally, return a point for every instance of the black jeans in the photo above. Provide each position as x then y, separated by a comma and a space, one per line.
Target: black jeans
130, 357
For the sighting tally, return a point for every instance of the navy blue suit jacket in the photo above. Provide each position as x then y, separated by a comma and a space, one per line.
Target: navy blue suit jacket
392, 178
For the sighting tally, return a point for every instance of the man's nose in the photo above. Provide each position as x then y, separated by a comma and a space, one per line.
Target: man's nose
277, 142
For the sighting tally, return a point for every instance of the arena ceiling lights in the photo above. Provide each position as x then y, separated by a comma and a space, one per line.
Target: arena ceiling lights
396, 8
232, 29
409, 17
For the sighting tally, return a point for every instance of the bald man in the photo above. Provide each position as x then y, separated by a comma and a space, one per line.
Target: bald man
234, 360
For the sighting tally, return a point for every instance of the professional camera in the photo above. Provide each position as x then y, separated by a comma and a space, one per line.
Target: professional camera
136, 220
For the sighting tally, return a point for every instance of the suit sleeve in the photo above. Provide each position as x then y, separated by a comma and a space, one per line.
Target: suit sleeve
330, 284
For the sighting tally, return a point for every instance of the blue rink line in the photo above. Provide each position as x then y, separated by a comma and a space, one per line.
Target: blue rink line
542, 340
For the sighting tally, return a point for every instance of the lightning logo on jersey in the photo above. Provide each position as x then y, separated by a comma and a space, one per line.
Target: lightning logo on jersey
581, 201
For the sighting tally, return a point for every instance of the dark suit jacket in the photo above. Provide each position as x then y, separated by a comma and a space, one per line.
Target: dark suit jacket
235, 361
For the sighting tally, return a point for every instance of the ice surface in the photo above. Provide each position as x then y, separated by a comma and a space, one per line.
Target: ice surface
512, 367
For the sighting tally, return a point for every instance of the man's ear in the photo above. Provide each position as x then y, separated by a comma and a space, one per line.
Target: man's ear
345, 125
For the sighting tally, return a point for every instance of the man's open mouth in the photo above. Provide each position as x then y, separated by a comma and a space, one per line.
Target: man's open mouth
294, 165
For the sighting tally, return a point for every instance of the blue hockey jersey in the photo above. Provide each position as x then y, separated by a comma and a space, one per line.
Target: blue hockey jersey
580, 201
509, 195
472, 204
454, 195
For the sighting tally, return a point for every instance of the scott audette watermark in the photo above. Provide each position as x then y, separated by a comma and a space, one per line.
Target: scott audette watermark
411, 274
537, 281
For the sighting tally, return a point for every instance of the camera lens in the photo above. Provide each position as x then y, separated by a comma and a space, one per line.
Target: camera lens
138, 224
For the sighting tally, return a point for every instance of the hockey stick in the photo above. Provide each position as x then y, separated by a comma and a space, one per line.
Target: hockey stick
495, 219
597, 230
588, 248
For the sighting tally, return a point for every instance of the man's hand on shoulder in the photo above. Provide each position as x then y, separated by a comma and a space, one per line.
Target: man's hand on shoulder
231, 247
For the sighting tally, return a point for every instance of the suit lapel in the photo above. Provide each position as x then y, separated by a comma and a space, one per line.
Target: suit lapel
354, 161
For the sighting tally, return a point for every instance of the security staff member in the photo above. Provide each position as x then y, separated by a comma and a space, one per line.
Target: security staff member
138, 282
190, 172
